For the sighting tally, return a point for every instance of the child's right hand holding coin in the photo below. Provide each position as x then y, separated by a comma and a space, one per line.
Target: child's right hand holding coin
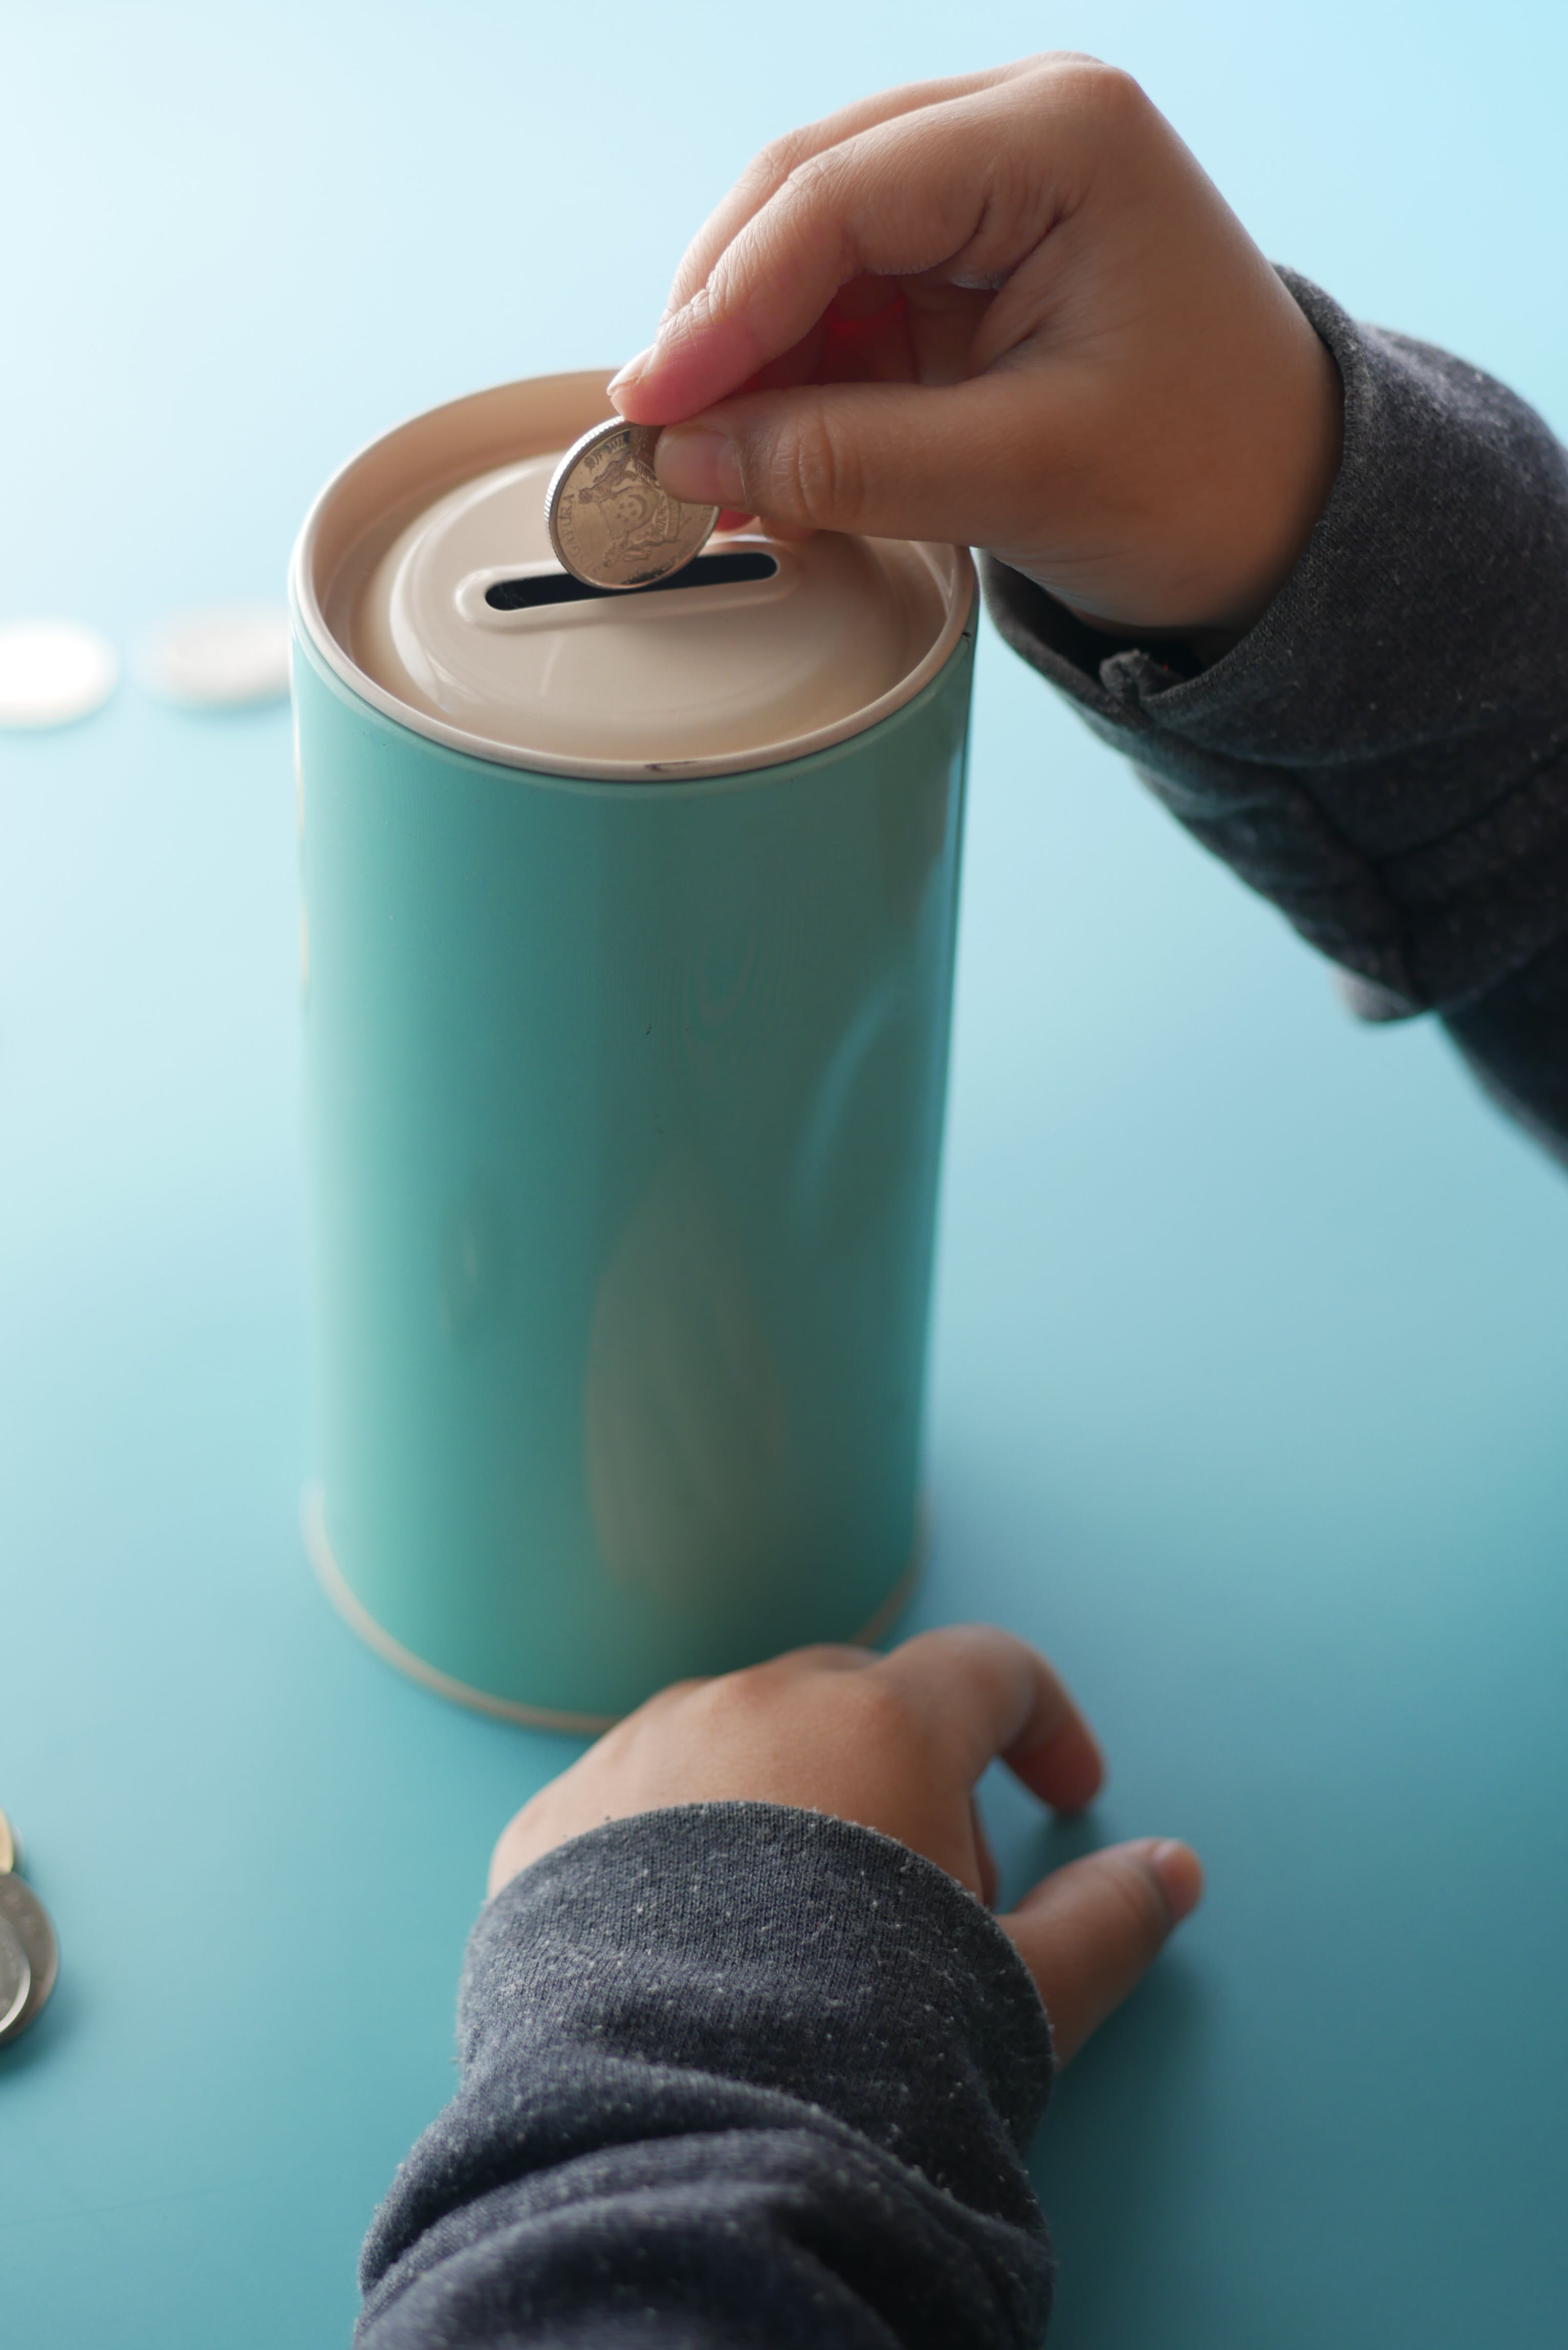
1010, 311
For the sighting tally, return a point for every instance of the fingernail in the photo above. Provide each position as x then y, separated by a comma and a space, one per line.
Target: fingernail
1180, 1875
631, 373
698, 466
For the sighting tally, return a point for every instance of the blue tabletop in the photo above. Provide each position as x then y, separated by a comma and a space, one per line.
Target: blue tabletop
1250, 1385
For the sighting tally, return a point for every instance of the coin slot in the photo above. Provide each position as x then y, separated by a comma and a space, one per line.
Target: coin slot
736, 569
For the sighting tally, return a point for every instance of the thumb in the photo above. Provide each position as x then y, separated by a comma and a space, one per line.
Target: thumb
944, 462
1088, 1933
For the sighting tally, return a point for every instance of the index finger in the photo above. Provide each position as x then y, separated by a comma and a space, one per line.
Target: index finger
989, 1694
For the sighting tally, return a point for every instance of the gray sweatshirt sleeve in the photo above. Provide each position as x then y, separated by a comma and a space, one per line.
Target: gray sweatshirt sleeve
730, 2074
1385, 755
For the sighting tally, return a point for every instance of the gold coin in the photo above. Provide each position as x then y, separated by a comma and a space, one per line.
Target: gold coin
8, 1844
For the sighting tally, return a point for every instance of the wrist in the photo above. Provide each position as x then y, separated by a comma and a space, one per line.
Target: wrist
1220, 536
1301, 463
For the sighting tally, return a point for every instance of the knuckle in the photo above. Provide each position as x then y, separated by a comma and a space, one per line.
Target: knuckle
732, 1695
782, 154
815, 199
821, 481
881, 1711
1116, 98
669, 1700
812, 175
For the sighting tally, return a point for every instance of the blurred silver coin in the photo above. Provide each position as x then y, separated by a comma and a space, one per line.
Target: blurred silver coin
24, 1917
52, 671
7, 1846
15, 1979
610, 522
225, 657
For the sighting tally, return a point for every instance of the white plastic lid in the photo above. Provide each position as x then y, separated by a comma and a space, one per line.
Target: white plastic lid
425, 577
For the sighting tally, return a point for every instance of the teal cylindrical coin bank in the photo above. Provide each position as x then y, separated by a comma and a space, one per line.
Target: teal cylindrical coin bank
627, 953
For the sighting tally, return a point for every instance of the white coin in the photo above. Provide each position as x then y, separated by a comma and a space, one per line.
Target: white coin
52, 671
225, 657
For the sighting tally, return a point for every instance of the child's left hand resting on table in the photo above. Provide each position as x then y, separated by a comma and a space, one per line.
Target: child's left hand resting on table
897, 1742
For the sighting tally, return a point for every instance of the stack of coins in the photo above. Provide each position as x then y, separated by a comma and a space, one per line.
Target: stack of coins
29, 1955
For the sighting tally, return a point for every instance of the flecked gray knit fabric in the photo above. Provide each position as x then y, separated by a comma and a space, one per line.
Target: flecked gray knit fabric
730, 2074
1385, 755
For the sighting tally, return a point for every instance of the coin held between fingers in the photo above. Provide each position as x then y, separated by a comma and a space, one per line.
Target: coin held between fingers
612, 523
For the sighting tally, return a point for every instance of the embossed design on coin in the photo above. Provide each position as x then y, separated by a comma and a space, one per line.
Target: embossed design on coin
16, 1979
24, 1917
611, 522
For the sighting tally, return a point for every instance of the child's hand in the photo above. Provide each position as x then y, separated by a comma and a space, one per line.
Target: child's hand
1007, 311
897, 1742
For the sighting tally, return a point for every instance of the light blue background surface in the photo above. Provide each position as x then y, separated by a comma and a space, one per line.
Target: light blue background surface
1250, 1378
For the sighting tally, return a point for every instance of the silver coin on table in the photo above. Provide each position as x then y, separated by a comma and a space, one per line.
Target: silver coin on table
51, 671
226, 657
611, 522
15, 1979
24, 1917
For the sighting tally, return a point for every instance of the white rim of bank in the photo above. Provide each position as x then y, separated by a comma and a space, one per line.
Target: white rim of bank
308, 611
359, 1618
